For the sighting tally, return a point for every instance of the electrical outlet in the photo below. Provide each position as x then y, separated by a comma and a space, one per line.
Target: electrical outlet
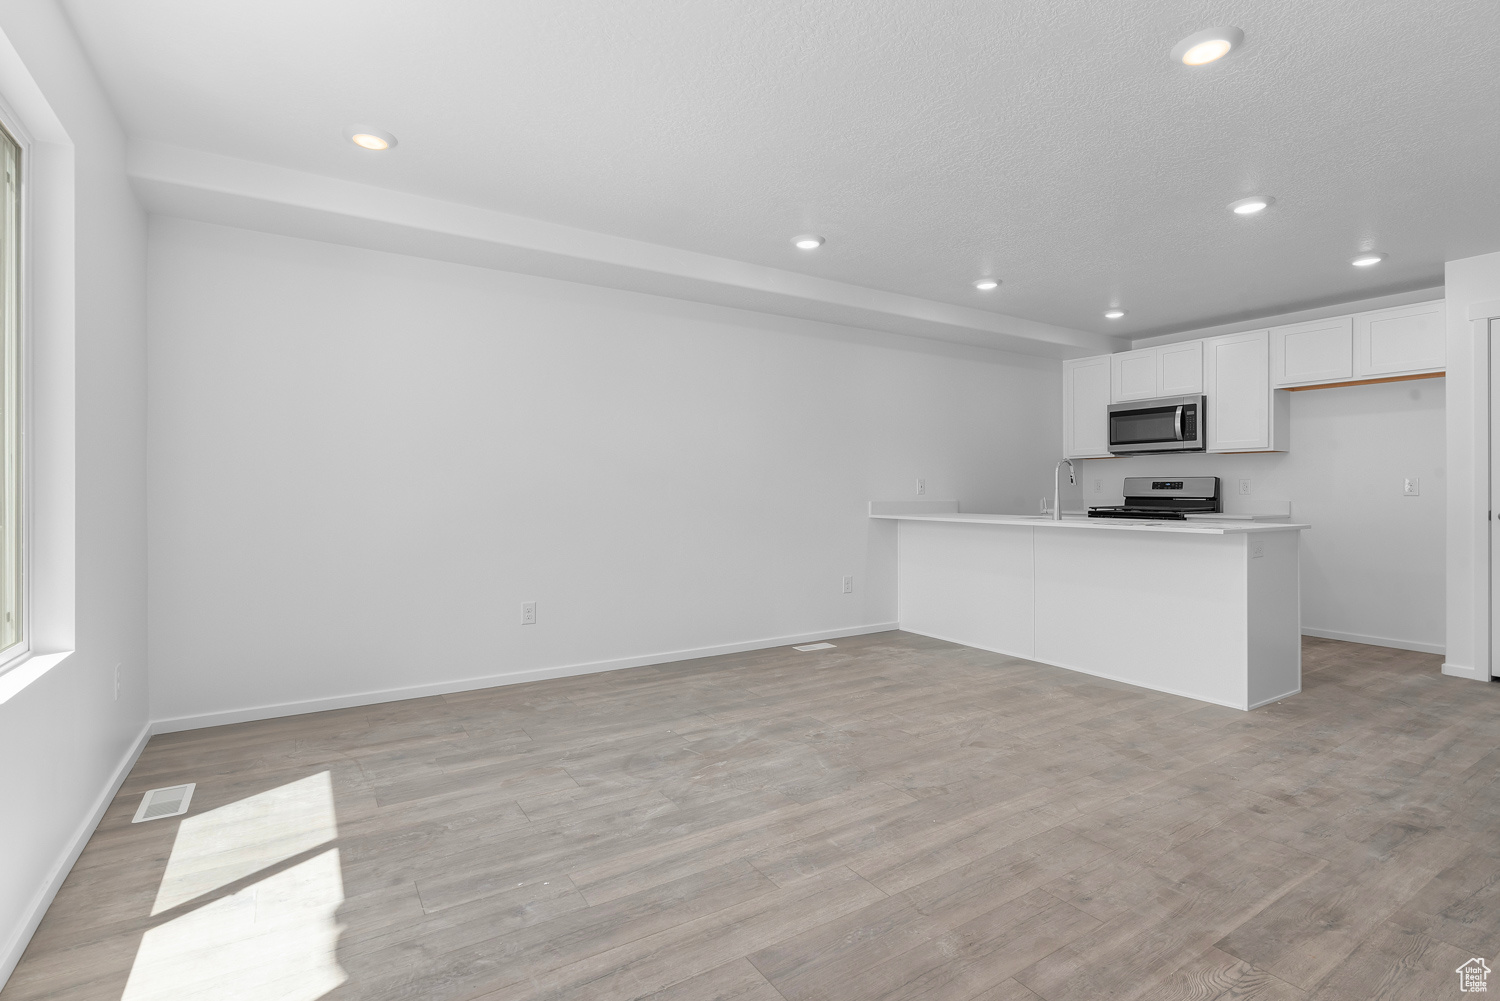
921, 487
1098, 484
1412, 487
528, 613
1244, 488
848, 583
1257, 550
117, 682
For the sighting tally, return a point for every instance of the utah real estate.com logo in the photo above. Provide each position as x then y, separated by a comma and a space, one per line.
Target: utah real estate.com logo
1472, 976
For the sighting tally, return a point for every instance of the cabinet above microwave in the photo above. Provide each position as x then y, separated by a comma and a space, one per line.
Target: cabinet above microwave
1153, 373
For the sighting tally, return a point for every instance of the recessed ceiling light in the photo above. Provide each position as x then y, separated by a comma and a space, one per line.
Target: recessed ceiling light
1366, 259
1113, 314
1252, 205
1206, 46
986, 284
807, 241
368, 138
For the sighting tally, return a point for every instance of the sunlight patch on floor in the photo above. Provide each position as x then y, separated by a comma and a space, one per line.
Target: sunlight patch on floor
215, 848
275, 940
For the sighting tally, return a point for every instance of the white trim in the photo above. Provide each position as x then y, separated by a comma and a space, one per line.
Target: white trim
14, 124
49, 304
11, 955
229, 716
1484, 310
25, 146
25, 350
1334, 634
1460, 671
1484, 391
1094, 674
1275, 698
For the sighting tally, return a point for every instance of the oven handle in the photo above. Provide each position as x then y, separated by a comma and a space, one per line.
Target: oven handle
1179, 423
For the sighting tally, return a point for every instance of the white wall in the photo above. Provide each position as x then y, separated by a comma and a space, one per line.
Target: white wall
64, 738
1468, 281
362, 463
1373, 563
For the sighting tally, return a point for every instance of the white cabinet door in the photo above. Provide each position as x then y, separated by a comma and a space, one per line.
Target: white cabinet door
1086, 407
1133, 376
1237, 379
1179, 369
1403, 340
1305, 354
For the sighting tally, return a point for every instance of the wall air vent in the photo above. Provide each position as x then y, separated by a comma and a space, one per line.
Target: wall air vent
169, 802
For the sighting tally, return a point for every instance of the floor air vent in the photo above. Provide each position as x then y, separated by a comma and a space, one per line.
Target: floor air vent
814, 646
169, 802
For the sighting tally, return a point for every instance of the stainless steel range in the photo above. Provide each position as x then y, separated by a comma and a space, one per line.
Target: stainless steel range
1162, 498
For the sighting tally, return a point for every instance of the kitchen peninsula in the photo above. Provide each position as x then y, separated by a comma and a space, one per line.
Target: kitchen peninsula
1209, 609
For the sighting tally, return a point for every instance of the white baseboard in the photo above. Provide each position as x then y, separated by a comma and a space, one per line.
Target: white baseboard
246, 715
1093, 674
1334, 634
1277, 698
1460, 671
11, 955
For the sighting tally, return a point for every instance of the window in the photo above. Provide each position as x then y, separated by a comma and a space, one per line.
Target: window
12, 511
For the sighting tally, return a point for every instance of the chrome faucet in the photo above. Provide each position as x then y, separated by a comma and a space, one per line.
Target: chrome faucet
1057, 486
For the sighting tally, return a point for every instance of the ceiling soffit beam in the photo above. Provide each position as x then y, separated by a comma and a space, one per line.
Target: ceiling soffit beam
187, 183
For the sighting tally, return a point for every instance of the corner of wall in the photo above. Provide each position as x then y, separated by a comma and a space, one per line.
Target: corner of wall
1468, 281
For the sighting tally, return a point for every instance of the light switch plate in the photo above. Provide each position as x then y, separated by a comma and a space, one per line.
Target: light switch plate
1412, 487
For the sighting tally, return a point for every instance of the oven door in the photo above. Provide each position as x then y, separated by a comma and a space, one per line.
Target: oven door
1175, 424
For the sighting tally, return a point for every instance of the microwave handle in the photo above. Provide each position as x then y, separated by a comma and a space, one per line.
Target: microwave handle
1179, 423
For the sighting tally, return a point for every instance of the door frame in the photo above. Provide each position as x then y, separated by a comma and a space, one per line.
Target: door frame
1485, 320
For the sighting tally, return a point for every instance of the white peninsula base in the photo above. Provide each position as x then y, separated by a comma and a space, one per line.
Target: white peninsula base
1206, 611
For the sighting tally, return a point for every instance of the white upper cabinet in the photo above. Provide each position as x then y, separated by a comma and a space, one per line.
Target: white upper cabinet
1244, 413
1304, 354
1086, 383
1403, 340
1245, 376
1133, 375
1168, 370
1383, 343
1179, 369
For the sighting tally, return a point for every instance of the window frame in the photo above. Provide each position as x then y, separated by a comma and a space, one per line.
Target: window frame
17, 652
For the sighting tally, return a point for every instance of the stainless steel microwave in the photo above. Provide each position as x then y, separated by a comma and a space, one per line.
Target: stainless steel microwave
1169, 424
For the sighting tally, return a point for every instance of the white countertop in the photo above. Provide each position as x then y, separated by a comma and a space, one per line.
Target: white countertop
1080, 522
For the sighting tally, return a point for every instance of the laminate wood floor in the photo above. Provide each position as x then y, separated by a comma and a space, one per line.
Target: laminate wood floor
896, 818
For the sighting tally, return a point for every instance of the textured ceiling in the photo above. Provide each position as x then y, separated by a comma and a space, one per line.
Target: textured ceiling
1052, 144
